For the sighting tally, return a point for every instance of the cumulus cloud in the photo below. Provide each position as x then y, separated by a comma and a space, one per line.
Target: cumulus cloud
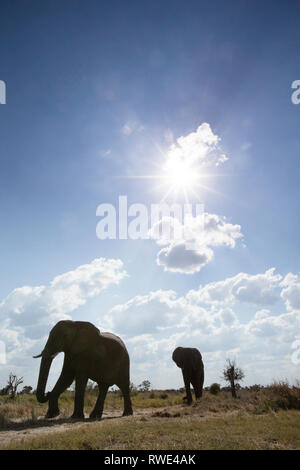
154, 324
263, 313
281, 326
28, 311
177, 258
146, 314
258, 289
221, 319
291, 291
228, 316
199, 148
191, 248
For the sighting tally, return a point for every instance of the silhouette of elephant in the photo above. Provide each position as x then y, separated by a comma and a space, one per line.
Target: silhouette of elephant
190, 362
89, 354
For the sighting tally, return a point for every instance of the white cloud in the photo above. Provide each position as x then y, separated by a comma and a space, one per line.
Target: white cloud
28, 311
193, 250
291, 291
282, 327
228, 316
176, 258
263, 313
258, 289
200, 148
189, 253
154, 324
146, 314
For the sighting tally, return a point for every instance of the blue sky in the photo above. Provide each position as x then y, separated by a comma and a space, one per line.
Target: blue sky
98, 91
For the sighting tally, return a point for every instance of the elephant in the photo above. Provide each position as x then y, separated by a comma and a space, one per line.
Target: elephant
89, 354
190, 361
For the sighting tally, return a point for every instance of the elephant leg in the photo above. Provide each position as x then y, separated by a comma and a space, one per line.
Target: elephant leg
201, 381
197, 382
124, 387
196, 387
98, 409
187, 381
80, 384
65, 380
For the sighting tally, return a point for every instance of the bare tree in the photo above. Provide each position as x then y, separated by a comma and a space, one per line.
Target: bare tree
13, 383
232, 374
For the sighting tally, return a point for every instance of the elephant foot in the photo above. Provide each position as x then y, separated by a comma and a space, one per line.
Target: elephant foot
52, 414
77, 416
187, 401
127, 413
95, 416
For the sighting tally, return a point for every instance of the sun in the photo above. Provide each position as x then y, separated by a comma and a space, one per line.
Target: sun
180, 175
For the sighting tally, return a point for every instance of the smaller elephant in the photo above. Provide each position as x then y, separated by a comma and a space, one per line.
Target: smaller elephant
190, 362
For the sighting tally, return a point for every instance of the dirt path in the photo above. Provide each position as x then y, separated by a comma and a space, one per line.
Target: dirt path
20, 430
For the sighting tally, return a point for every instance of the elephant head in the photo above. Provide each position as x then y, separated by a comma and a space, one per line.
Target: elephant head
187, 357
179, 357
62, 338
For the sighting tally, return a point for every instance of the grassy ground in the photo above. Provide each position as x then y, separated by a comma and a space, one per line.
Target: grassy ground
240, 431
256, 420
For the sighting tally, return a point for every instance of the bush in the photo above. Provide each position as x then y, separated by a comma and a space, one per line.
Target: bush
164, 396
280, 395
214, 389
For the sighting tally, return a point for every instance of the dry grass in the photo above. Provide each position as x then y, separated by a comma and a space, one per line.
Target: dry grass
188, 431
260, 419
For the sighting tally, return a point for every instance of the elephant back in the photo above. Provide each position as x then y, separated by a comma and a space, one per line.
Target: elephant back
114, 339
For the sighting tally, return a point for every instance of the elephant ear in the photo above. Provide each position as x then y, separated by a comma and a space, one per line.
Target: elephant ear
178, 356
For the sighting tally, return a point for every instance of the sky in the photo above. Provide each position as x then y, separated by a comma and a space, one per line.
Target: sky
159, 102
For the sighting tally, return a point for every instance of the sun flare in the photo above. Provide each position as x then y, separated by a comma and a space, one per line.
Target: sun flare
180, 175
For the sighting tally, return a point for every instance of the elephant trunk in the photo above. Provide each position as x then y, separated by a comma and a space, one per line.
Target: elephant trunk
43, 377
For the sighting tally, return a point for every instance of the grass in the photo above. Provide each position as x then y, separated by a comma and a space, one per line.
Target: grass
263, 419
240, 431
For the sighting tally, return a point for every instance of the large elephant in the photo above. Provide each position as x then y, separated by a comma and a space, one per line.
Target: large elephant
89, 354
190, 362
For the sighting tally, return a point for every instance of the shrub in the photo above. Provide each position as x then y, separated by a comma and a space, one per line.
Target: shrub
214, 389
164, 396
280, 395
